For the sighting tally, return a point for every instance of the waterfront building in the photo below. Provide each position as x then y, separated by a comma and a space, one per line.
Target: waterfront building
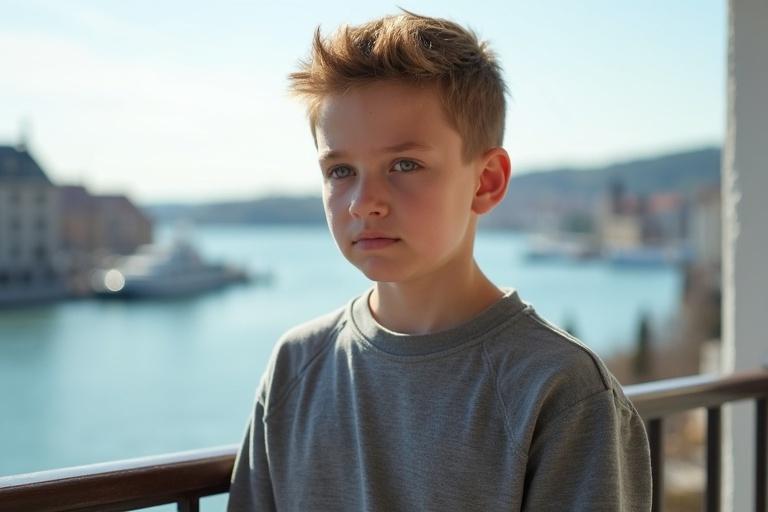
29, 232
95, 227
630, 221
52, 237
706, 230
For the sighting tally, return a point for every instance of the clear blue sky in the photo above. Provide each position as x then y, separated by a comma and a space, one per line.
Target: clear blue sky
185, 100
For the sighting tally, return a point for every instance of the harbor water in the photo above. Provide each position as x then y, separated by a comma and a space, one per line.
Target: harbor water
90, 380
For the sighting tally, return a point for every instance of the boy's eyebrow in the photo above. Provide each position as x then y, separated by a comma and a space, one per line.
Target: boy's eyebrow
406, 146
403, 146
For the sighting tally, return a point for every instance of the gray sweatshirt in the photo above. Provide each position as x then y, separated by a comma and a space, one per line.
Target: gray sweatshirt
504, 412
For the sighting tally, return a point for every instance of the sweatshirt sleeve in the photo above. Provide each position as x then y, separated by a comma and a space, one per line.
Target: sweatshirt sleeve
251, 487
594, 456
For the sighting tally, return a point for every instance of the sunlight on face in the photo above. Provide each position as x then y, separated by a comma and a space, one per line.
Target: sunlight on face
396, 191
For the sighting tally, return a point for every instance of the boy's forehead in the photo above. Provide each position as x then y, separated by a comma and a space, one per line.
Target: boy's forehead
381, 116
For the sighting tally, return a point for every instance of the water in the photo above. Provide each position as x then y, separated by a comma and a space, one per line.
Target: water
91, 381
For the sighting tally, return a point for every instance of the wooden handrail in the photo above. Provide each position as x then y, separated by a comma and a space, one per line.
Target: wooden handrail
184, 477
121, 485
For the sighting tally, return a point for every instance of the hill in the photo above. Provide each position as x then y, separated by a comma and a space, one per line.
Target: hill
530, 195
570, 189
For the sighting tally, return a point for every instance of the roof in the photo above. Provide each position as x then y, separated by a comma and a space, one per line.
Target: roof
18, 165
75, 198
665, 202
119, 204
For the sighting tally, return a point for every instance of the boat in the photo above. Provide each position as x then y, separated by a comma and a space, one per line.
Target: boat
542, 248
163, 271
648, 256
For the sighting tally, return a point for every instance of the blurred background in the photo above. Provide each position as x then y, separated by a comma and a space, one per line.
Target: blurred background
161, 223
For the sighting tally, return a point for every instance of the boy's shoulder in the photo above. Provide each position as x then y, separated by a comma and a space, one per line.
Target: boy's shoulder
295, 350
542, 370
550, 349
305, 339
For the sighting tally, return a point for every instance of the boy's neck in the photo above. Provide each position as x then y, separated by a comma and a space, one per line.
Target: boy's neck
427, 306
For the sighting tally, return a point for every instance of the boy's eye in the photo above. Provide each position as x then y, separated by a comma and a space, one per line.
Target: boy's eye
405, 166
341, 171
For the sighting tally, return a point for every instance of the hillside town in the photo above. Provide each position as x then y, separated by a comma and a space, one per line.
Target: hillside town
625, 228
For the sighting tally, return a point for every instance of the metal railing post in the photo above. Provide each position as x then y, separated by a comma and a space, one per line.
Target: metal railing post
714, 459
656, 442
761, 454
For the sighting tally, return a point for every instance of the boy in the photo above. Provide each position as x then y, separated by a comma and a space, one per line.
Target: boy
436, 390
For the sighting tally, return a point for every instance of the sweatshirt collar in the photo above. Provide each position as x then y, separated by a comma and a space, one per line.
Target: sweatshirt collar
393, 343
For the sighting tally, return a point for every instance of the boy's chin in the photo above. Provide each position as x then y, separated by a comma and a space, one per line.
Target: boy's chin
380, 274
381, 277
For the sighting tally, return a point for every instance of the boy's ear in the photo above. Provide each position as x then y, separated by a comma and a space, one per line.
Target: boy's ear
493, 180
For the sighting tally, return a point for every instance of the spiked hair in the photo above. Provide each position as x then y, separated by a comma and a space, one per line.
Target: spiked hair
417, 50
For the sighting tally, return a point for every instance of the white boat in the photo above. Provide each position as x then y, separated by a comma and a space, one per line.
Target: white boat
157, 271
648, 256
559, 248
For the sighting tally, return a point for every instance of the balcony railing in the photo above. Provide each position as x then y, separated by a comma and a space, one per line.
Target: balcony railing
184, 478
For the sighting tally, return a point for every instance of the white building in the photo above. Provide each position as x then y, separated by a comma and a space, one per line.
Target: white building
28, 229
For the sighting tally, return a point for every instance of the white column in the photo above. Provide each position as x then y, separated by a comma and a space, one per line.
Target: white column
745, 232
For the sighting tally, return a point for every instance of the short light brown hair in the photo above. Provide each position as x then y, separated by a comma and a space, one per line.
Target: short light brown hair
413, 49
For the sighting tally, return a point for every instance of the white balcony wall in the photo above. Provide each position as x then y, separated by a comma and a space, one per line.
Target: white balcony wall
745, 232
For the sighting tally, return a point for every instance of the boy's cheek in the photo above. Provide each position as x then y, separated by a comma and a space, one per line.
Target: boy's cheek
333, 194
334, 209
338, 231
330, 205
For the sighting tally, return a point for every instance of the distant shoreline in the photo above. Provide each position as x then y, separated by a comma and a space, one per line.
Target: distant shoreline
529, 195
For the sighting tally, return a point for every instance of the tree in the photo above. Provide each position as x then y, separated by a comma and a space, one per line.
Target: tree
643, 347
569, 326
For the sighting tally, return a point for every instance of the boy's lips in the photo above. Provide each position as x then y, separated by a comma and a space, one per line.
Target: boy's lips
368, 241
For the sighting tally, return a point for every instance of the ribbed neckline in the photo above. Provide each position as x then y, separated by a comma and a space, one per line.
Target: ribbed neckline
392, 343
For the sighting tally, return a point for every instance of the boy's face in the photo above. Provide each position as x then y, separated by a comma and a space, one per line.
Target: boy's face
397, 193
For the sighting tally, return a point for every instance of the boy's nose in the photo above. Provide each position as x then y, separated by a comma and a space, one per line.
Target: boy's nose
367, 199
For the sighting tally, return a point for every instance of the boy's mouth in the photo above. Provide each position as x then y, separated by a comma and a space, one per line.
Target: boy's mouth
374, 241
